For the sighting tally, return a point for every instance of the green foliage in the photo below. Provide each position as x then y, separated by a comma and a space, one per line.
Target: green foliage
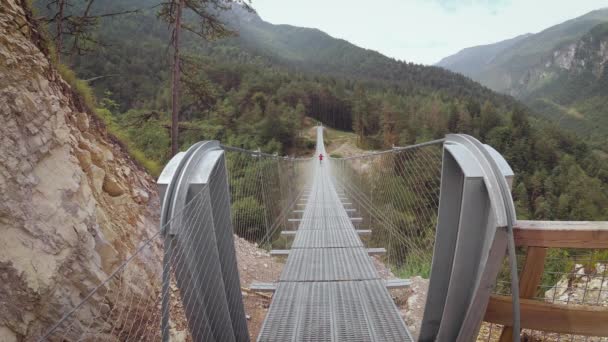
415, 265
116, 130
79, 86
250, 214
310, 144
130, 141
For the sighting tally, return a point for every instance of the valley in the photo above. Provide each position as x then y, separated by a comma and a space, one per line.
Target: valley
560, 73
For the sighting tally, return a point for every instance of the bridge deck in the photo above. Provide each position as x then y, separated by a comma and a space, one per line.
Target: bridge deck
329, 289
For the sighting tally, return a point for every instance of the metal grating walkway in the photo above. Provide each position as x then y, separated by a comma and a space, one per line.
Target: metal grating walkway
329, 289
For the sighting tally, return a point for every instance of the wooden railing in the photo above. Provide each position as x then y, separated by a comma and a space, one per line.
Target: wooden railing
538, 236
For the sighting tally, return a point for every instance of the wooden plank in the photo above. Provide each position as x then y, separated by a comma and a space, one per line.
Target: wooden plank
364, 232
565, 234
529, 280
559, 318
289, 233
279, 252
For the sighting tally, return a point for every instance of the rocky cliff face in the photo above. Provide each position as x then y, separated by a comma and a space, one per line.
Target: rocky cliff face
588, 53
586, 57
72, 203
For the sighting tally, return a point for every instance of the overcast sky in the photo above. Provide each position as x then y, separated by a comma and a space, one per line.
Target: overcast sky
424, 31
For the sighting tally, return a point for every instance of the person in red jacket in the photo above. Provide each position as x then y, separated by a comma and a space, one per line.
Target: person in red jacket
320, 157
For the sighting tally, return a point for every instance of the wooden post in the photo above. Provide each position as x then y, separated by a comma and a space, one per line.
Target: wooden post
529, 280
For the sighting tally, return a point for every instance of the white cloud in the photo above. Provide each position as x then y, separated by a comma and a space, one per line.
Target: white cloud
424, 31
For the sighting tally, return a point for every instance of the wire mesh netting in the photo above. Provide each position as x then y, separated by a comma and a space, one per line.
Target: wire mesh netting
396, 193
264, 193
570, 277
127, 305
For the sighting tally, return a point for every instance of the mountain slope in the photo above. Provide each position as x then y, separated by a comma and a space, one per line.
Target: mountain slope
315, 51
471, 61
144, 37
572, 85
504, 67
560, 72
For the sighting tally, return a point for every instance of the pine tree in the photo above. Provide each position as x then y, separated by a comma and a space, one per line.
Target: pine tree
74, 18
488, 119
453, 118
208, 26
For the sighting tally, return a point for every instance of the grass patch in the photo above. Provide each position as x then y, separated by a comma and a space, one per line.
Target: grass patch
83, 89
79, 86
152, 166
414, 266
335, 134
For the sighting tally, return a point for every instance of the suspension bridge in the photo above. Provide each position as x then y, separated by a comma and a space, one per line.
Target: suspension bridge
329, 289
334, 238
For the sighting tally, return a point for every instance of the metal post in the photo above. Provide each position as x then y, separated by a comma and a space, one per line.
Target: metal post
194, 185
168, 242
470, 242
263, 187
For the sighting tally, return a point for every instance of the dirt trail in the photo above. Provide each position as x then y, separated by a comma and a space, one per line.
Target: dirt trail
255, 264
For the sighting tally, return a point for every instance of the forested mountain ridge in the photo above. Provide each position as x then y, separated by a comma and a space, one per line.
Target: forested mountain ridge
472, 61
298, 49
560, 72
312, 50
255, 90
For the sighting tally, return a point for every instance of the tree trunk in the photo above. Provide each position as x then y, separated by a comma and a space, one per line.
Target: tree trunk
176, 81
59, 42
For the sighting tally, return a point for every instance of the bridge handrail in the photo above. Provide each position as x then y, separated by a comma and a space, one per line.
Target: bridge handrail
538, 236
562, 234
260, 153
393, 150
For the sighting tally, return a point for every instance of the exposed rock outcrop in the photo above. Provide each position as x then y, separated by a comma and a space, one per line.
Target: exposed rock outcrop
585, 56
73, 205
585, 284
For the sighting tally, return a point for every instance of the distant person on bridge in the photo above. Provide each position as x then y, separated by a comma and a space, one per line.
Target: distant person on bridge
320, 158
